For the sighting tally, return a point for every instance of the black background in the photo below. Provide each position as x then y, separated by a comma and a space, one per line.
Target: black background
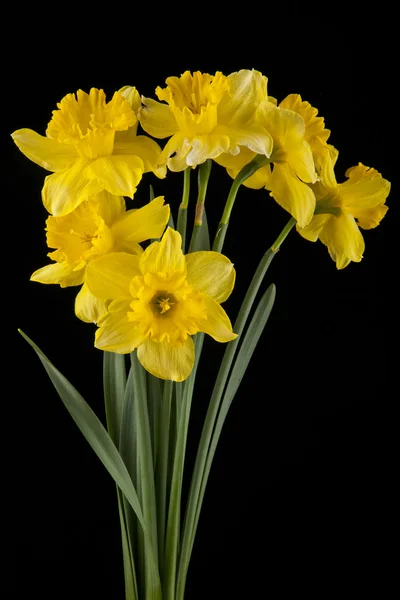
301, 494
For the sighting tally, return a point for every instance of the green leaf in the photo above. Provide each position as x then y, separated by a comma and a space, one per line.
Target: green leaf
154, 403
102, 444
114, 381
253, 333
246, 350
174, 511
146, 471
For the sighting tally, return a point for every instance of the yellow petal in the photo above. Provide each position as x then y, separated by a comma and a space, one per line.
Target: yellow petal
116, 333
211, 273
314, 228
368, 218
144, 147
132, 96
235, 162
88, 308
110, 207
44, 151
292, 194
364, 189
64, 191
206, 146
217, 324
109, 276
247, 90
165, 361
118, 174
315, 126
142, 224
176, 151
286, 127
157, 118
58, 273
165, 256
302, 162
254, 137
344, 240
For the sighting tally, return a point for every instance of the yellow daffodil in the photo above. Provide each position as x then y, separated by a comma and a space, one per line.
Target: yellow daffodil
91, 145
342, 208
160, 299
207, 115
296, 131
99, 225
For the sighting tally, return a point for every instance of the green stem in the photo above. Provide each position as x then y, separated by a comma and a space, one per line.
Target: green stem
283, 235
246, 172
162, 471
146, 471
203, 178
174, 512
182, 212
200, 472
114, 384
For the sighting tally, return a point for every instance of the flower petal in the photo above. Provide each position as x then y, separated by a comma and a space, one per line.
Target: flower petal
132, 96
206, 146
292, 194
64, 191
88, 307
254, 137
157, 118
144, 147
165, 361
118, 174
109, 276
176, 151
368, 218
312, 231
61, 273
116, 333
344, 240
364, 189
302, 162
217, 323
44, 151
211, 273
165, 256
247, 90
142, 224
110, 207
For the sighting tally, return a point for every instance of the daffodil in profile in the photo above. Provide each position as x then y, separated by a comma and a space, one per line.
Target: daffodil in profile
342, 208
299, 136
98, 226
91, 145
207, 116
159, 300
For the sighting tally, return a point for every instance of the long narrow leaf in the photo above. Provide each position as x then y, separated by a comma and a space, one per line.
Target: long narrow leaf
144, 452
114, 381
154, 405
247, 348
99, 440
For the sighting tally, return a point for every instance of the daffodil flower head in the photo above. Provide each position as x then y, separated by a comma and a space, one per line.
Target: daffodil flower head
98, 226
207, 116
159, 300
342, 208
91, 145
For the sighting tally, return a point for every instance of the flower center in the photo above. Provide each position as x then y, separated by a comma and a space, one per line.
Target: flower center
162, 302
165, 306
79, 236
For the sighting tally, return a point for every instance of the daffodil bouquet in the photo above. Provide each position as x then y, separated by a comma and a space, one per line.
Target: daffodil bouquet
153, 293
